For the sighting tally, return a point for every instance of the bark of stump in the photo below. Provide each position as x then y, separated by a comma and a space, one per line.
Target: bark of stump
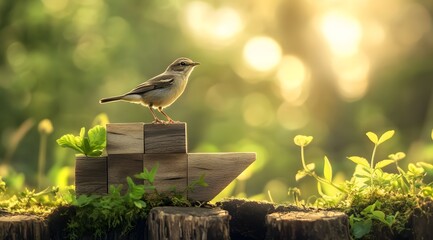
17, 227
311, 225
188, 223
422, 222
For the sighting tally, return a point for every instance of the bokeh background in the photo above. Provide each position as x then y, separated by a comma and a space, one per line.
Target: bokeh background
270, 70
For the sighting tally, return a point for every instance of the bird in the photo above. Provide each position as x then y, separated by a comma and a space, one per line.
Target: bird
160, 91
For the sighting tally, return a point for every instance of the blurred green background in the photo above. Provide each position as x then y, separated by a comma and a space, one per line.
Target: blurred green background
269, 70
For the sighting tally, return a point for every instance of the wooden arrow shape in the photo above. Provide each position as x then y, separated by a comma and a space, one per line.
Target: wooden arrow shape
220, 169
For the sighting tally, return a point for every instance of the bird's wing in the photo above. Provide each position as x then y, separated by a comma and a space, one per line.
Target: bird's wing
160, 81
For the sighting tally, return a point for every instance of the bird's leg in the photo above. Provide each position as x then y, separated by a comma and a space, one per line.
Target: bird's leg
165, 114
155, 119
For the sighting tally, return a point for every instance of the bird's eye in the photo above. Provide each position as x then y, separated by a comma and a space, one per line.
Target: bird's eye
183, 63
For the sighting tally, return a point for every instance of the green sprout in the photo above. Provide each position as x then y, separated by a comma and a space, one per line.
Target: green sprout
92, 144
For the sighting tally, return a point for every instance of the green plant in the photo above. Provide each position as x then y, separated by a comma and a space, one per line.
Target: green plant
373, 198
95, 214
31, 202
92, 144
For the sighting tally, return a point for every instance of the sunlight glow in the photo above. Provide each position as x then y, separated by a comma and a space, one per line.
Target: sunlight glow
217, 27
262, 53
257, 109
352, 73
292, 76
342, 32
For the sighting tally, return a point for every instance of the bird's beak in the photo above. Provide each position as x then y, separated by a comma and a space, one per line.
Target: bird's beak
195, 63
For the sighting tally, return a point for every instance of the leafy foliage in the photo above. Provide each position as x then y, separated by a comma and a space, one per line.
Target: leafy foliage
92, 144
32, 202
372, 198
96, 214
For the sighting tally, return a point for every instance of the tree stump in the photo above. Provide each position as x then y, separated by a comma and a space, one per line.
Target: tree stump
17, 227
311, 225
422, 222
188, 223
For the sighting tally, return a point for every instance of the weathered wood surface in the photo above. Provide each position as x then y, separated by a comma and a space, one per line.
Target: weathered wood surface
165, 138
133, 146
248, 217
172, 170
125, 138
219, 169
320, 225
422, 222
177, 223
18, 227
122, 165
91, 175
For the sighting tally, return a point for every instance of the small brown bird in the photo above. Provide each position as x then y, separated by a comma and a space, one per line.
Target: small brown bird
160, 91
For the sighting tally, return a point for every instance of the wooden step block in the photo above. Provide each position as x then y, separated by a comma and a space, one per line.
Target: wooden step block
125, 138
220, 169
165, 138
121, 166
172, 171
91, 175
326, 225
178, 223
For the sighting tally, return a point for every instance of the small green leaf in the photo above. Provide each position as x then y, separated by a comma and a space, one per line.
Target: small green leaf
140, 204
302, 140
359, 160
327, 169
386, 136
397, 156
361, 228
383, 163
428, 168
373, 137
300, 174
97, 137
311, 167
379, 215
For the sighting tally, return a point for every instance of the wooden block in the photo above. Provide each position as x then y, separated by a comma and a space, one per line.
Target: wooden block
125, 138
219, 169
121, 166
188, 223
172, 170
165, 138
91, 175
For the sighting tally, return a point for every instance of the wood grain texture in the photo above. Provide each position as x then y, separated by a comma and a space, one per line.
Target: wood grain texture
172, 170
165, 138
219, 168
91, 175
121, 166
314, 225
176, 223
125, 138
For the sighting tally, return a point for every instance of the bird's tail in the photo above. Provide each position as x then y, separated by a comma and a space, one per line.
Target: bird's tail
111, 99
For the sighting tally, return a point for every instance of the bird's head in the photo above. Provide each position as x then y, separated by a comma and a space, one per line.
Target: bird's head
182, 65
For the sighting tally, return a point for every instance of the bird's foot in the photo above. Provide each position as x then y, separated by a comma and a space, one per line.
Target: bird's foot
171, 121
157, 121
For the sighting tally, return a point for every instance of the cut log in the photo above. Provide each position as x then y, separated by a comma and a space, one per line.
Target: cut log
219, 169
320, 225
172, 171
165, 138
17, 227
188, 223
125, 138
422, 222
91, 175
